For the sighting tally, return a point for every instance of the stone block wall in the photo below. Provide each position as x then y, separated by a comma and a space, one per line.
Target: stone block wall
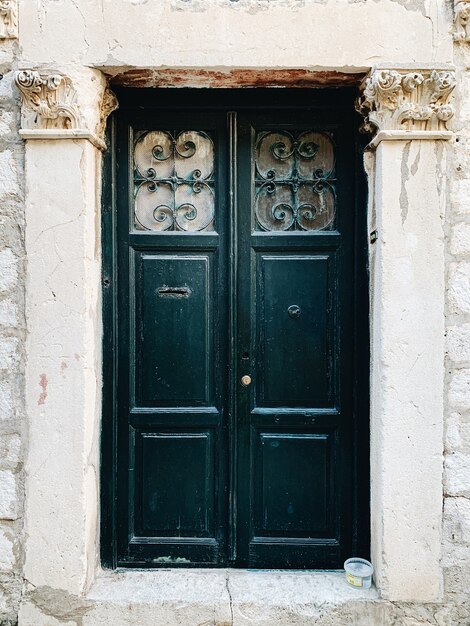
456, 528
12, 338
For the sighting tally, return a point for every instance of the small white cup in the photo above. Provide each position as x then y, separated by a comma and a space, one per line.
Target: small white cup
358, 572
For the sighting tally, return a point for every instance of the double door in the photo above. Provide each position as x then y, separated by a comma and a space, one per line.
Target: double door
235, 343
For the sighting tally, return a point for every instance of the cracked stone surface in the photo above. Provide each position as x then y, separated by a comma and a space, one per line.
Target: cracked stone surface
230, 598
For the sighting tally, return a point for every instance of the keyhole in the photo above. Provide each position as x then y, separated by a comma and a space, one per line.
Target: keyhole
294, 311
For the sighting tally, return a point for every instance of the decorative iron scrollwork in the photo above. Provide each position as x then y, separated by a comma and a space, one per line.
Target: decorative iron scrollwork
173, 178
294, 180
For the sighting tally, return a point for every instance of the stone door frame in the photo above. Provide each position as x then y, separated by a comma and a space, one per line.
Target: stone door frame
63, 120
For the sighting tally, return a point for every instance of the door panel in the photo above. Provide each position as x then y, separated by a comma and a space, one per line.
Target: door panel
235, 364
176, 484
292, 484
295, 332
173, 325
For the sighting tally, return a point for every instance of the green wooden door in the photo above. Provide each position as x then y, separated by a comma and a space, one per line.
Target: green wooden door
233, 275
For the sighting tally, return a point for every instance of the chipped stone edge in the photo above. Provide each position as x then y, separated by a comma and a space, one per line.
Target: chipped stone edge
408, 135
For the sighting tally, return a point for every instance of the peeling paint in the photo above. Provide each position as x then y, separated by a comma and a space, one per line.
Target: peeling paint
235, 78
60, 604
250, 6
415, 164
411, 5
405, 175
43, 384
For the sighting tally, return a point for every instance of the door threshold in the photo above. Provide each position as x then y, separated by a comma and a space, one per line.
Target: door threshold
222, 596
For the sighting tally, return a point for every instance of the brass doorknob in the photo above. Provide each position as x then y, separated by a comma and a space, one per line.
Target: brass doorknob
246, 380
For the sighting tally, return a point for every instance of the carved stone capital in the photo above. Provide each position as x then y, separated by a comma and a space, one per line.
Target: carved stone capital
461, 28
414, 101
8, 19
51, 108
49, 101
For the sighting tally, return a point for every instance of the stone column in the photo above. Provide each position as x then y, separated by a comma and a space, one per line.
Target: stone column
62, 121
409, 111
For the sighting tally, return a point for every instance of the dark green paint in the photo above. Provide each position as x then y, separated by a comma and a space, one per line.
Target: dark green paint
198, 470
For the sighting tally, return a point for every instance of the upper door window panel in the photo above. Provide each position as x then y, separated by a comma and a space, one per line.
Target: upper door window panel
174, 184
294, 181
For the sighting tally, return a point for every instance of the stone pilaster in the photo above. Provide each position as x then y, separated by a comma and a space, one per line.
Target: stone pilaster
409, 111
63, 119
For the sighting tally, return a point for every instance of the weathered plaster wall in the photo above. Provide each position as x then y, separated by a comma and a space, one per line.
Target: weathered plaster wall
116, 34
12, 338
120, 35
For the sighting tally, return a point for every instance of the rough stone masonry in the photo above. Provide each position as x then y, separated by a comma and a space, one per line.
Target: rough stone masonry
12, 334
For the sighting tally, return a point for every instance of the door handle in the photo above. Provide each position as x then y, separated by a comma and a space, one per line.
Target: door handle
245, 380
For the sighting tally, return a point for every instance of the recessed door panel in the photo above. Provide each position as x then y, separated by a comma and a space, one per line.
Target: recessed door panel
293, 484
173, 330
176, 484
296, 336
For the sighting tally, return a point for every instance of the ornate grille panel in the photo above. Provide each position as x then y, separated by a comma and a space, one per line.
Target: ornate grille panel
294, 180
174, 183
